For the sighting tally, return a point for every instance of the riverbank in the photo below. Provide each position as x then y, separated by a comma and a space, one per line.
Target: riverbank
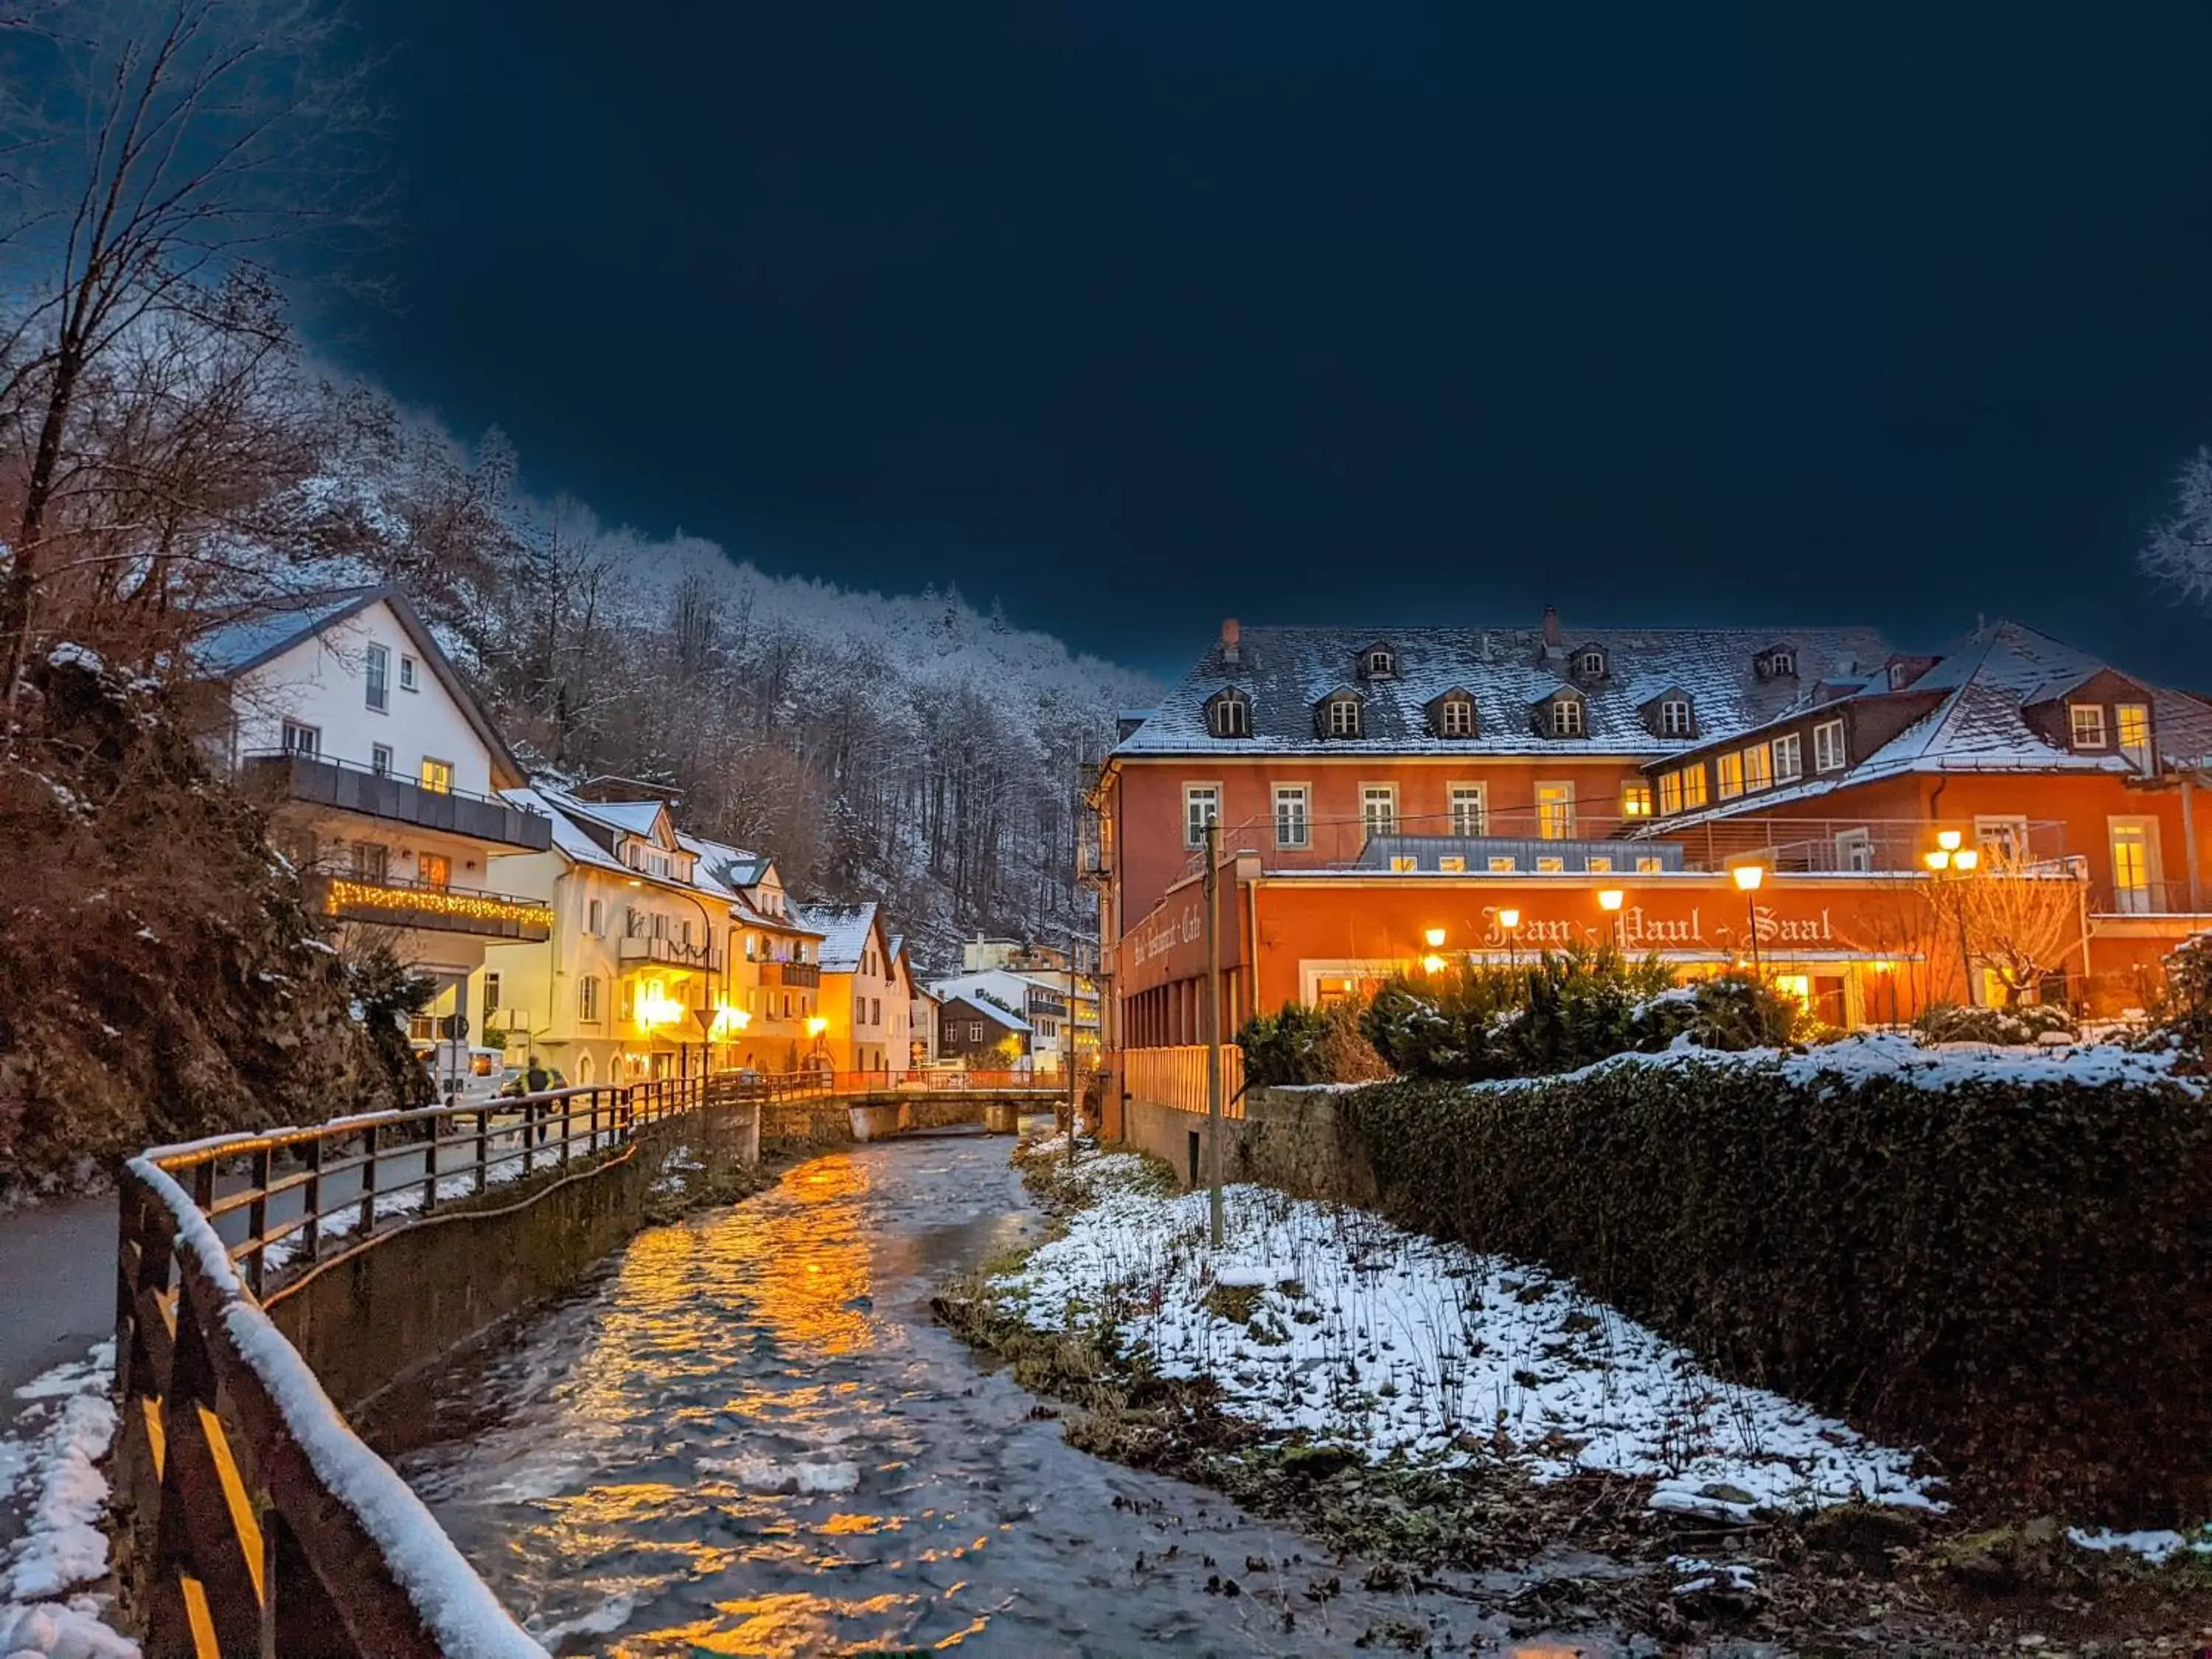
1428, 1409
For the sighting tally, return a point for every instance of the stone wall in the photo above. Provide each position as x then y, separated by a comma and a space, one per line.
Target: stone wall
427, 1288
1288, 1138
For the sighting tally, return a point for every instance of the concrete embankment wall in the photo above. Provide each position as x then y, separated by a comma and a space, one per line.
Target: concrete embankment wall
1287, 1138
365, 1320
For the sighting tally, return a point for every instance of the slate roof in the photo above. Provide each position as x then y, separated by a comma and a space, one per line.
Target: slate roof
844, 929
991, 1011
1287, 671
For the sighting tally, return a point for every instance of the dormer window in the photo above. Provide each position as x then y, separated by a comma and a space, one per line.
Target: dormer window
2088, 725
1378, 662
1343, 716
1567, 717
1674, 717
1590, 663
1455, 717
1229, 713
1776, 662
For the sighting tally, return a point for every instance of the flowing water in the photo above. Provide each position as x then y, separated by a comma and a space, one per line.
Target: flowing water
745, 1435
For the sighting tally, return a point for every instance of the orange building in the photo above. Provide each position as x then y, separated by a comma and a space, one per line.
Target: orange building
1372, 794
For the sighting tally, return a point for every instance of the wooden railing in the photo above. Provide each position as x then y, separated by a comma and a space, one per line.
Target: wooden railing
256, 1521
1176, 1077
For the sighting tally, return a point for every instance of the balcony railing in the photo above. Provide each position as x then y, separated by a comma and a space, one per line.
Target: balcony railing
393, 902
663, 948
2156, 898
348, 786
799, 976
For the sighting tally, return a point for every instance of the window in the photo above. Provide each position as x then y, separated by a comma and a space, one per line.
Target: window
1452, 864
1777, 664
1551, 866
372, 860
1728, 776
302, 740
1294, 824
379, 678
433, 869
379, 759
1501, 864
1636, 801
2135, 866
1670, 793
491, 992
1675, 718
1648, 863
437, 775
1343, 717
2003, 840
1381, 663
1828, 746
1468, 817
587, 1000
1854, 850
1378, 808
1788, 758
752, 947
1455, 718
1566, 717
627, 999
1201, 806
1758, 767
2088, 719
595, 917
1555, 811
1403, 864
1599, 865
1591, 664
409, 681
875, 1011
2134, 721
1231, 715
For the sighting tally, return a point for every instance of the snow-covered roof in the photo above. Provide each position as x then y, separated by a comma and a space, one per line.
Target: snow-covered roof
989, 1010
570, 838
844, 929
1287, 671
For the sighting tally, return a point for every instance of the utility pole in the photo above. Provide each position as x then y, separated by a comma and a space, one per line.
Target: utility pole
1211, 887
1068, 1052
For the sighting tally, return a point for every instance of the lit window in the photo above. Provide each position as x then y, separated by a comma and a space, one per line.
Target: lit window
1566, 717
407, 681
1555, 811
380, 677
1467, 813
1293, 820
1648, 864
433, 869
1378, 809
437, 775
1455, 718
1788, 758
1636, 801
1670, 793
2134, 719
1728, 776
1828, 745
1599, 865
1201, 806
302, 740
1758, 767
1452, 864
1501, 864
1675, 718
1403, 864
1551, 866
1694, 787
379, 759
1344, 717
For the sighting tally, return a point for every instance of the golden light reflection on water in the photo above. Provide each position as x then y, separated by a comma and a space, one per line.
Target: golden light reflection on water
777, 1626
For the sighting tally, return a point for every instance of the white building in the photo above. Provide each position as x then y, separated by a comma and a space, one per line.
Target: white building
383, 774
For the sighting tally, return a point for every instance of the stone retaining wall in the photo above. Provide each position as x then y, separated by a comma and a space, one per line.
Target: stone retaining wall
1288, 1138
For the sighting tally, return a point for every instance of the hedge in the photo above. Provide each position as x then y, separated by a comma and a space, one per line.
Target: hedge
2017, 1276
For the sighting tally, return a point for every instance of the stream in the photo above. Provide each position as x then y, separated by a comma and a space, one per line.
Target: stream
745, 1435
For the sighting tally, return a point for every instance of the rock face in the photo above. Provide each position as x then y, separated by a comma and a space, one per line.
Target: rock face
160, 976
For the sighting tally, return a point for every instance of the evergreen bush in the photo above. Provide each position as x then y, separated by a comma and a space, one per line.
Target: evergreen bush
2023, 1023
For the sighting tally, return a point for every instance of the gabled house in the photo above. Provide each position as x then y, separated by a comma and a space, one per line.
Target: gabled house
983, 1034
862, 996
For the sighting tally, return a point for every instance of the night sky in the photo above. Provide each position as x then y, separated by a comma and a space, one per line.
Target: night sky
1133, 315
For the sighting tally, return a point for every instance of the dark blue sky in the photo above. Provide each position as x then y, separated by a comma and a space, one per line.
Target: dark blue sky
1134, 315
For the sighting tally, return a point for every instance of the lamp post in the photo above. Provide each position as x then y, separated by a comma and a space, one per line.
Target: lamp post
1947, 859
1609, 900
1748, 877
1509, 921
1433, 963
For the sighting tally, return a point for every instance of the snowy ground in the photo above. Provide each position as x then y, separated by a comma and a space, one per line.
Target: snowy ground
1331, 1321
48, 1463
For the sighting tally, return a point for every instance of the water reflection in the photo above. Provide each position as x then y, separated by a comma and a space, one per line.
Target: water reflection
747, 1437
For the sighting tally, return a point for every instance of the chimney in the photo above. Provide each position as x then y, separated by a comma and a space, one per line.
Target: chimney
1229, 636
1551, 626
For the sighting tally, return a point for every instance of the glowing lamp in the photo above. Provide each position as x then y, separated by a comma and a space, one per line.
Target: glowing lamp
1949, 840
1432, 964
1966, 858
1434, 937
1508, 918
817, 1026
1748, 877
1938, 860
1609, 899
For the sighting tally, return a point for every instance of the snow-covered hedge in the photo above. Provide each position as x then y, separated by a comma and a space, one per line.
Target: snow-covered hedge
2008, 1258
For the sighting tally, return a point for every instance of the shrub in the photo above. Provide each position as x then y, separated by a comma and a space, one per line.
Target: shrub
1308, 1045
2026, 1021
1564, 1010
2185, 1016
2015, 1275
1733, 1011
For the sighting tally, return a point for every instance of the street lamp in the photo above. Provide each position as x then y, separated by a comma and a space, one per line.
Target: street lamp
1609, 900
1747, 879
1949, 858
1432, 964
1435, 938
1510, 920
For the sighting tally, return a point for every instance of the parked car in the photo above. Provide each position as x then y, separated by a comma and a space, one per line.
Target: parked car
462, 1076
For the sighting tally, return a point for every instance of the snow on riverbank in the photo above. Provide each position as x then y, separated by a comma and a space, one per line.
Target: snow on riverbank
48, 1466
1331, 1321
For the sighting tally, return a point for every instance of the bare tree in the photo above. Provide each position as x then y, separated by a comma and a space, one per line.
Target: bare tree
184, 147
2018, 921
2179, 551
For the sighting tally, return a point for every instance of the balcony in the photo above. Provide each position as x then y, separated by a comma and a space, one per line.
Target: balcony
389, 901
671, 952
347, 786
799, 976
2165, 900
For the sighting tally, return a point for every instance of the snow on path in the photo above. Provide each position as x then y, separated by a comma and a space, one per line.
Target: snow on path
1333, 1322
49, 1461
